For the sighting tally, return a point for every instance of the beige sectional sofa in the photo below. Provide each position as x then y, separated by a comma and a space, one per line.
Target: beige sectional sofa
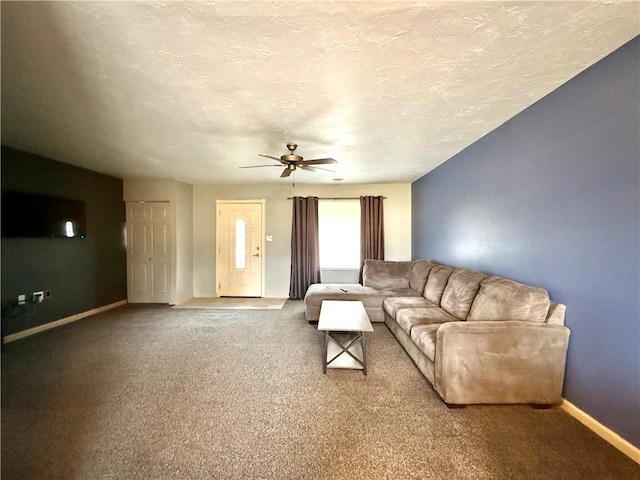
477, 338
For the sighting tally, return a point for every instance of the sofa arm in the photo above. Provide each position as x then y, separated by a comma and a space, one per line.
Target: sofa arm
500, 362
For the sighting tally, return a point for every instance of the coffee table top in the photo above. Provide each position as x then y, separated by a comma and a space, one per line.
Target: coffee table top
344, 316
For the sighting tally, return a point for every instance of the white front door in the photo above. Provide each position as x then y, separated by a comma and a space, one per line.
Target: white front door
240, 256
148, 252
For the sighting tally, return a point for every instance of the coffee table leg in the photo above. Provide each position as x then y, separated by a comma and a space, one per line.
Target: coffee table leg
364, 354
324, 353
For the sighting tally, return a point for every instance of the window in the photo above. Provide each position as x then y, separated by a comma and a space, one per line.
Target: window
339, 234
68, 228
240, 244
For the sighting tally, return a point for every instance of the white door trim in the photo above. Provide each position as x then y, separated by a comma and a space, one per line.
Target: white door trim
262, 203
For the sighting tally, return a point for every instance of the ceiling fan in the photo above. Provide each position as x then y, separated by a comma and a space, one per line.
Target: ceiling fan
291, 162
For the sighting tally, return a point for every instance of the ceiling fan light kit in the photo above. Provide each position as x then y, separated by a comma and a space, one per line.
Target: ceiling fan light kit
292, 161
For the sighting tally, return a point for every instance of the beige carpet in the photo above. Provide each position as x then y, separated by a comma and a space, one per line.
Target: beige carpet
234, 303
152, 392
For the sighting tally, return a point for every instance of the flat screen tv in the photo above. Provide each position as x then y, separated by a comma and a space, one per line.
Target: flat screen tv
31, 215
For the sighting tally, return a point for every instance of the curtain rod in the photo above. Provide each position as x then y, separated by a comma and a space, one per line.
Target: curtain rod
337, 198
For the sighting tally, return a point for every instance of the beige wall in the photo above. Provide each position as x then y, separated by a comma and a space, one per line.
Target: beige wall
180, 196
184, 242
397, 210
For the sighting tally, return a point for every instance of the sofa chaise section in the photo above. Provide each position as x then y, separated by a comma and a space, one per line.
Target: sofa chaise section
381, 279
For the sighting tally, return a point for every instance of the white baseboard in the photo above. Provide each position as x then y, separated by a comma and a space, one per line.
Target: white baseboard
47, 326
609, 435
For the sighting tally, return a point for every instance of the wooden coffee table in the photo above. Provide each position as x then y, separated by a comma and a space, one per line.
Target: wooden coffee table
345, 324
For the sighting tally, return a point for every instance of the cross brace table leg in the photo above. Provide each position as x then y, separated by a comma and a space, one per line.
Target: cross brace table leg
345, 349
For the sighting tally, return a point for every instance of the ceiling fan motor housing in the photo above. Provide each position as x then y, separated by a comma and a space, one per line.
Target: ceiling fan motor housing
291, 158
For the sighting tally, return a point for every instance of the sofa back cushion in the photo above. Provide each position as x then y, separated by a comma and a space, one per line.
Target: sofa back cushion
386, 274
419, 273
461, 289
437, 280
503, 299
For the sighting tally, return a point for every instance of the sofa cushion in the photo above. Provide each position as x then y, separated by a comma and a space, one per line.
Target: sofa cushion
371, 298
408, 318
437, 281
400, 292
424, 336
461, 289
391, 305
419, 273
503, 299
386, 274
318, 292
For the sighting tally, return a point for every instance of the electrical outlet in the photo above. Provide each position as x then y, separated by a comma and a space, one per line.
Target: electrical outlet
38, 296
47, 294
22, 299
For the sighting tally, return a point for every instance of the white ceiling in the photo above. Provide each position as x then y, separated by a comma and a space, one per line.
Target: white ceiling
192, 91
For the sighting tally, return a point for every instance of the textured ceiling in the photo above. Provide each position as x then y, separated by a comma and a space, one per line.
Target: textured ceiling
192, 91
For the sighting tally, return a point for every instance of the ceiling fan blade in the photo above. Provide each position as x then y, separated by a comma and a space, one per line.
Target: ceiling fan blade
269, 156
286, 172
319, 161
260, 166
317, 169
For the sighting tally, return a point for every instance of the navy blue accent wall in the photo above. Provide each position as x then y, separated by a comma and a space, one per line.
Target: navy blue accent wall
552, 198
82, 274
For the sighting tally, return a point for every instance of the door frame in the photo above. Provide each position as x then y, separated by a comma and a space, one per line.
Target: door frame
262, 203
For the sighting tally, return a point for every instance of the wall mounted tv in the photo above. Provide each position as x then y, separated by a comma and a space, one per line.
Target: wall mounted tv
31, 215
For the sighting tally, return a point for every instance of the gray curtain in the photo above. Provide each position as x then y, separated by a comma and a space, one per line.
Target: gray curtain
371, 230
305, 257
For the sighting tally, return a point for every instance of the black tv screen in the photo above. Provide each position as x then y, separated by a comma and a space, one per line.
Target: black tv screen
30, 215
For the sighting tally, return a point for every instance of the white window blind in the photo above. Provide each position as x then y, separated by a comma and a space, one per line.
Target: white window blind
339, 233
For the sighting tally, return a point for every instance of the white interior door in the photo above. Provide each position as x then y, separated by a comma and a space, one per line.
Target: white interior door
148, 252
240, 256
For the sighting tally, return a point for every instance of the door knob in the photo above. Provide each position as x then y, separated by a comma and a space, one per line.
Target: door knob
257, 255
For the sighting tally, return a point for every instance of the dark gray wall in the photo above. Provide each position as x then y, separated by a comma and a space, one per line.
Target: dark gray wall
82, 274
552, 198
